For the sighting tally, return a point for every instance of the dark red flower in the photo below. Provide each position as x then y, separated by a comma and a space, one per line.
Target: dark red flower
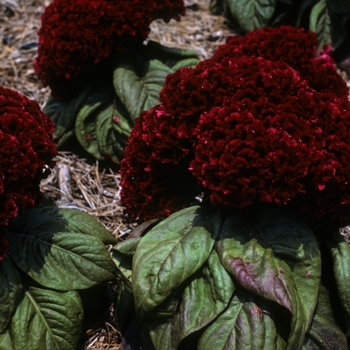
26, 152
247, 126
75, 36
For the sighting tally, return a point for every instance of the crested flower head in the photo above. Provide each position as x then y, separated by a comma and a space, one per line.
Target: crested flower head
26, 152
262, 121
75, 36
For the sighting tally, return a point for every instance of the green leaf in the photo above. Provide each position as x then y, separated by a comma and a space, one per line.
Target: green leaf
160, 332
46, 319
275, 256
63, 259
5, 341
170, 56
47, 216
320, 23
324, 333
246, 324
159, 324
123, 262
207, 296
103, 125
341, 261
188, 62
170, 253
138, 84
250, 14
123, 252
99, 99
64, 113
294, 242
81, 222
123, 305
11, 291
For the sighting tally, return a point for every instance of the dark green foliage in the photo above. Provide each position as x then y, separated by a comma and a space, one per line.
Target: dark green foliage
100, 117
54, 254
249, 280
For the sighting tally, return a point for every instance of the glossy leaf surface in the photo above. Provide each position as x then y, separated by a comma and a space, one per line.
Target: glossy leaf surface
170, 253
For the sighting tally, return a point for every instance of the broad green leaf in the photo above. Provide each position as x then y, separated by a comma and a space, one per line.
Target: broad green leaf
103, 125
123, 305
47, 216
294, 242
341, 261
62, 260
160, 332
189, 62
123, 252
206, 296
170, 56
112, 131
159, 324
85, 123
245, 325
127, 247
123, 261
250, 14
320, 24
69, 247
170, 253
275, 256
64, 113
47, 319
5, 341
324, 333
138, 87
80, 222
11, 291
143, 228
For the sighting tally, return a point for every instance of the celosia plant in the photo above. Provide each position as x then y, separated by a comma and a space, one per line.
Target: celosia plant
47, 254
102, 74
76, 36
263, 121
258, 138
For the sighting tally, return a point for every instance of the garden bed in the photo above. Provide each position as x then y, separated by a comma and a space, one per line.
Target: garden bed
76, 182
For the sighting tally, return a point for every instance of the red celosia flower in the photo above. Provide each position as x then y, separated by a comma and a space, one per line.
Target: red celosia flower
77, 35
26, 152
266, 123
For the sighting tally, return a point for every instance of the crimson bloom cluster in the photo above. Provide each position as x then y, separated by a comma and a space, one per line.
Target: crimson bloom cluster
26, 152
76, 35
262, 121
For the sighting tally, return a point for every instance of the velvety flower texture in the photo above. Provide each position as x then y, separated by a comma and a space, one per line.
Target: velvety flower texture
76, 35
26, 152
262, 121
